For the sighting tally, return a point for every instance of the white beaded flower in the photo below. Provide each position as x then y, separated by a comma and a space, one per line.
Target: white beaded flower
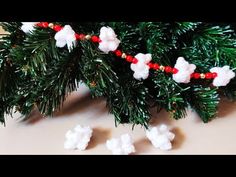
160, 137
224, 75
184, 71
66, 36
141, 69
78, 138
28, 27
121, 146
109, 41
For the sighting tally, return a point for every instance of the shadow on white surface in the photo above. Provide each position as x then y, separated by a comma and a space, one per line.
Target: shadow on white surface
142, 145
100, 136
77, 103
226, 107
160, 117
179, 138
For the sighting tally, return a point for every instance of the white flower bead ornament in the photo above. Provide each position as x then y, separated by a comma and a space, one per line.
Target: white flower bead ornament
28, 27
141, 68
66, 36
185, 69
121, 146
224, 75
108, 40
78, 138
160, 137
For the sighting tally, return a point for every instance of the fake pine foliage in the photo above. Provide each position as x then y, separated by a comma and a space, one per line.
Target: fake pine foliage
34, 73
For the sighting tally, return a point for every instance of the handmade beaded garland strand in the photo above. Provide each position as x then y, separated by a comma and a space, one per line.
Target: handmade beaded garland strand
182, 72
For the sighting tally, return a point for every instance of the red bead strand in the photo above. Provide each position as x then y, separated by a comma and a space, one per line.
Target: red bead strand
129, 58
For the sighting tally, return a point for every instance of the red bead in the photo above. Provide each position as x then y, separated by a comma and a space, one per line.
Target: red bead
95, 39
214, 75
57, 28
155, 66
135, 61
175, 70
196, 75
168, 69
39, 24
81, 36
208, 75
77, 36
118, 53
129, 58
150, 65
44, 24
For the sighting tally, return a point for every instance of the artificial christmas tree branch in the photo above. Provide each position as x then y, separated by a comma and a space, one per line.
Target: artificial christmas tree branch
180, 64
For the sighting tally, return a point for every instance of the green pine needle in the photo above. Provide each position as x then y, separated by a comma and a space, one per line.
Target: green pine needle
205, 101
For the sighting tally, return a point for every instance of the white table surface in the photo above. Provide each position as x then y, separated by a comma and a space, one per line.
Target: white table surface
47, 135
